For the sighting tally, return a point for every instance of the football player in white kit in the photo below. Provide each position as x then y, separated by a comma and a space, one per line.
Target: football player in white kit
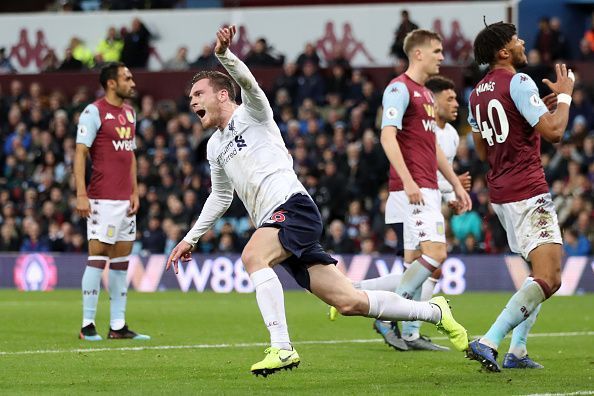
247, 154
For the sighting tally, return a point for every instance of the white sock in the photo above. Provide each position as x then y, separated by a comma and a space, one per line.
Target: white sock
427, 289
391, 306
270, 298
387, 282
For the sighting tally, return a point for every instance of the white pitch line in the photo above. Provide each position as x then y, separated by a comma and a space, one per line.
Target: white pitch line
248, 345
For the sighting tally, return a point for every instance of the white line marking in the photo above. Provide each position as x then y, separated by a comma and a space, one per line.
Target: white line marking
248, 345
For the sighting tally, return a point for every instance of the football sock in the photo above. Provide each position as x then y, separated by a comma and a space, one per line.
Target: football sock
521, 331
518, 308
387, 282
118, 292
410, 329
390, 306
270, 298
91, 287
415, 275
428, 288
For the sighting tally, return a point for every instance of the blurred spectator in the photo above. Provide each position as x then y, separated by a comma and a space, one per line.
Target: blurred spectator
561, 49
310, 85
179, 61
110, 48
9, 238
337, 241
467, 223
206, 60
581, 106
260, 55
153, 237
5, 66
406, 26
70, 63
574, 244
589, 34
310, 55
287, 80
586, 52
544, 41
81, 52
135, 52
50, 62
34, 241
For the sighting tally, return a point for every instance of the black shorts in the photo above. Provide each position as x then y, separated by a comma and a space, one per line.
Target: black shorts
300, 228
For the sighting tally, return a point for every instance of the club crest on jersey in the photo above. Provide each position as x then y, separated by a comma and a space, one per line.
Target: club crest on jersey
130, 116
121, 119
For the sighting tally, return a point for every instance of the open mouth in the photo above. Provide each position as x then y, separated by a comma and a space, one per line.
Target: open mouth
201, 113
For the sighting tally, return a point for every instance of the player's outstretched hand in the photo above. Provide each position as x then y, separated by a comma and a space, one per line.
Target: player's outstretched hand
413, 192
224, 38
465, 180
550, 101
564, 83
183, 252
83, 206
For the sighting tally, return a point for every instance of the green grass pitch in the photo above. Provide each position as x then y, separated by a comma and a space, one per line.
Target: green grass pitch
205, 344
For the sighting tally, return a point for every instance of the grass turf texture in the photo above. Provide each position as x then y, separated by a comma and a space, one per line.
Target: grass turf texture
187, 325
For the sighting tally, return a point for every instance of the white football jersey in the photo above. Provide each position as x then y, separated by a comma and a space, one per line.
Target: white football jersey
248, 156
448, 141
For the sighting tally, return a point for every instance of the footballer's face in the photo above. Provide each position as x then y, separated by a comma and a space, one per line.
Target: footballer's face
447, 105
125, 86
517, 52
431, 56
204, 101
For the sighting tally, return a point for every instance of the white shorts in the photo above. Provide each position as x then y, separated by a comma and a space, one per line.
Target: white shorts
420, 222
529, 223
109, 221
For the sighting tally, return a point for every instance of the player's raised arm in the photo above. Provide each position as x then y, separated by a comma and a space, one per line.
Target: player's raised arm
252, 95
550, 126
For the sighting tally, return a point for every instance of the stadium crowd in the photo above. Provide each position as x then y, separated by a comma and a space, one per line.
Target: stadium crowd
329, 121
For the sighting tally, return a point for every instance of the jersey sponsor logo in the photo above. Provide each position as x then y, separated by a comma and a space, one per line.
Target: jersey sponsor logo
429, 125
391, 113
124, 132
109, 116
123, 145
487, 86
82, 130
130, 116
429, 109
536, 101
228, 152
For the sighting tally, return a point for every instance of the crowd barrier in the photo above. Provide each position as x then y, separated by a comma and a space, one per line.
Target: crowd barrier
225, 273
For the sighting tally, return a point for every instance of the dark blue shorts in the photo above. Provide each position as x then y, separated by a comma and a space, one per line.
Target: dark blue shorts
300, 228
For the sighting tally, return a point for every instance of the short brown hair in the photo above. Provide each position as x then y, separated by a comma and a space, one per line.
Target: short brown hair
437, 84
217, 80
419, 37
